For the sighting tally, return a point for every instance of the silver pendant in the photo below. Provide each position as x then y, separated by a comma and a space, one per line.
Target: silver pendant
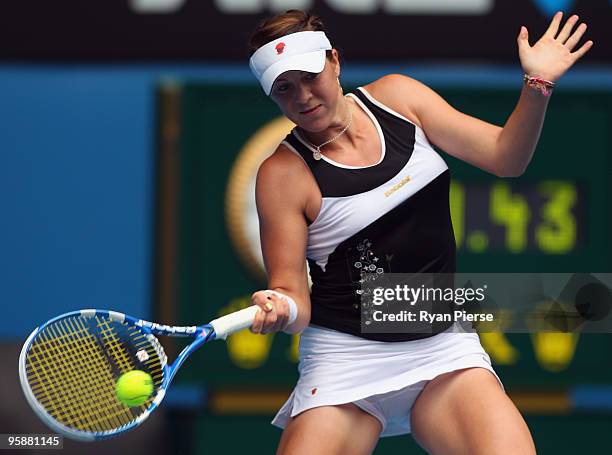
316, 154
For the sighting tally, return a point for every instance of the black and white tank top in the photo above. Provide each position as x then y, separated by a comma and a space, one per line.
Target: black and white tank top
392, 216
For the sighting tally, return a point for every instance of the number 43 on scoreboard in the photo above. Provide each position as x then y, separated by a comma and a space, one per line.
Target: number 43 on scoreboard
541, 216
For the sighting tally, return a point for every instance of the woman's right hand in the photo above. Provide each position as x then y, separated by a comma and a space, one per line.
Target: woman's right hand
274, 313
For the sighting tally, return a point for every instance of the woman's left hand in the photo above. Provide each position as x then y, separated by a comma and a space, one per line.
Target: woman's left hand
552, 55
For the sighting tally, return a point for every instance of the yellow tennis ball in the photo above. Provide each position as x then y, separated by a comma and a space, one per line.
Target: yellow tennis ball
134, 387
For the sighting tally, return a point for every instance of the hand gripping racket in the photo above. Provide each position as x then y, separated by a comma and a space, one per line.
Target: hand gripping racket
69, 366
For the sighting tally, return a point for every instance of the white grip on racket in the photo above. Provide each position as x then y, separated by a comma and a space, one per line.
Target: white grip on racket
234, 322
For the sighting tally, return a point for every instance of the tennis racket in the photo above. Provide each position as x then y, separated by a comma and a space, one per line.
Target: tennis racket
69, 366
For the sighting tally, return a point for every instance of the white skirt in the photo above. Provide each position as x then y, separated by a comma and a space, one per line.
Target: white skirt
382, 378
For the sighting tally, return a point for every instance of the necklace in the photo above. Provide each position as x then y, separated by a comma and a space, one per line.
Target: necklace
317, 153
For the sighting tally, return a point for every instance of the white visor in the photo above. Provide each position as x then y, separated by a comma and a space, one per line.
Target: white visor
301, 51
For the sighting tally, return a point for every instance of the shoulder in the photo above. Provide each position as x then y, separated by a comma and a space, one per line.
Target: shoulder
401, 93
388, 86
283, 163
284, 176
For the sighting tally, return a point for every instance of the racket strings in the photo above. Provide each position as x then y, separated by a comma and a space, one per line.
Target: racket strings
77, 392
113, 415
90, 388
139, 342
56, 393
73, 365
156, 358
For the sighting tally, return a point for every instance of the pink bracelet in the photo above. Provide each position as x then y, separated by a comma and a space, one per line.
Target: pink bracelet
536, 82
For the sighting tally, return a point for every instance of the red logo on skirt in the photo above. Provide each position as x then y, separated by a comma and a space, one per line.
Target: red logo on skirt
313, 391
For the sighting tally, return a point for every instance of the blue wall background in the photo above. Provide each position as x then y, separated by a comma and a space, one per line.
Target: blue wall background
76, 177
76, 187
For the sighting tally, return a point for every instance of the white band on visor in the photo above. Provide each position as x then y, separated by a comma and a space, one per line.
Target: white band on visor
301, 51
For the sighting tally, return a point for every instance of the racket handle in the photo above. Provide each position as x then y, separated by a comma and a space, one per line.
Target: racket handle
234, 322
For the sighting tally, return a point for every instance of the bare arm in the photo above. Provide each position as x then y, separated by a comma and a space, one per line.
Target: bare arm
502, 151
465, 137
517, 141
281, 197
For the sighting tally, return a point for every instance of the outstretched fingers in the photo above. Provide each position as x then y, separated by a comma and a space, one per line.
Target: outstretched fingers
583, 50
573, 40
553, 28
567, 29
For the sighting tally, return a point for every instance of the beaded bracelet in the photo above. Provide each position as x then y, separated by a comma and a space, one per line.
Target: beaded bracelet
536, 82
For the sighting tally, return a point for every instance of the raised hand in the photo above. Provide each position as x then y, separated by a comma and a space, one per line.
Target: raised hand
551, 56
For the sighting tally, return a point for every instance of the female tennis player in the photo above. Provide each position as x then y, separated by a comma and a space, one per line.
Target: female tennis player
356, 185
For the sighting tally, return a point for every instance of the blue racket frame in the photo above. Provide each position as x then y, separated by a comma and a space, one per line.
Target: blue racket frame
202, 334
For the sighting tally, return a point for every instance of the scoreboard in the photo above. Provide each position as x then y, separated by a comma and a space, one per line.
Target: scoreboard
554, 218
543, 216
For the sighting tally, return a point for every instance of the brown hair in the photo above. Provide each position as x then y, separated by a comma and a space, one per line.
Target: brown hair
291, 21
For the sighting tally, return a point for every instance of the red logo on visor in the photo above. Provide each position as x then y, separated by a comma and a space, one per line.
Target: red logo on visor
280, 47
